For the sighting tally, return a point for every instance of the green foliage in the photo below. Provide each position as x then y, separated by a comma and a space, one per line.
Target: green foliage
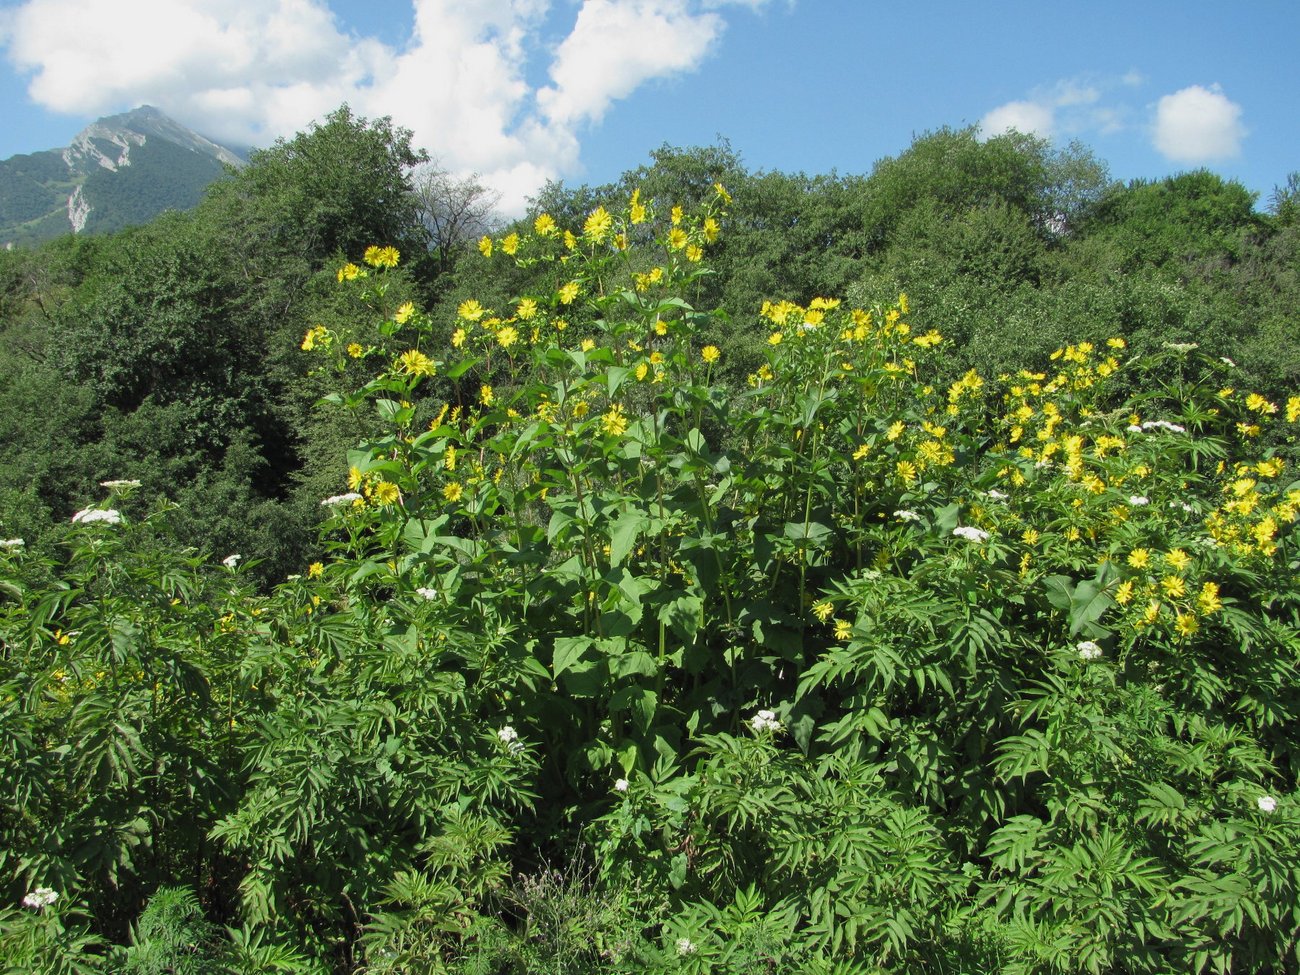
648, 637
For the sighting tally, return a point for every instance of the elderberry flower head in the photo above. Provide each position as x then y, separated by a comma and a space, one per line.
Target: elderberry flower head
1088, 650
41, 897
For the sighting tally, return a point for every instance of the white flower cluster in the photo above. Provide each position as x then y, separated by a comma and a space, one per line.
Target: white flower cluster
1227, 362
1163, 425
620, 785
971, 534
996, 495
510, 738
12, 543
1182, 504
685, 946
427, 593
119, 485
41, 897
88, 516
1088, 650
1180, 346
902, 514
230, 561
334, 499
1138, 501
1266, 803
765, 720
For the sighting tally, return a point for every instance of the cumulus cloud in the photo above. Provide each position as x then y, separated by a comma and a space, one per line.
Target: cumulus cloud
1197, 125
248, 71
1030, 117
1070, 107
617, 45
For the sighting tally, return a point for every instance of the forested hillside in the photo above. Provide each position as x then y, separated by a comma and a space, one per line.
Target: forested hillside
719, 571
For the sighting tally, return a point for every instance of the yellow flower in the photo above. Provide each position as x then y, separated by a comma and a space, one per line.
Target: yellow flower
510, 244
902, 303
315, 570
453, 491
485, 245
458, 337
1173, 586
694, 253
1178, 560
710, 353
1207, 600
507, 336
642, 369
348, 272
711, 229
677, 215
1151, 613
449, 458
862, 451
823, 610
895, 430
722, 192
636, 210
843, 629
1139, 558
544, 225
485, 394
527, 309
403, 314
598, 224
587, 345
471, 310
313, 336
415, 363
775, 338
1259, 404
355, 351
570, 241
677, 238
381, 256
1124, 594
1293, 409
1030, 536
386, 492
1186, 624
614, 422
569, 292
1116, 343
906, 471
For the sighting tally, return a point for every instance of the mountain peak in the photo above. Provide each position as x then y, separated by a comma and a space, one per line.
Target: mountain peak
137, 126
120, 170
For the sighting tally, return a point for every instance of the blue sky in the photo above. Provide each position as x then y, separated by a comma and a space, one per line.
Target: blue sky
525, 90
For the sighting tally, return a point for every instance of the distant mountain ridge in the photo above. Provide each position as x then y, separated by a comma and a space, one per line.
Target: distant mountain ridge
119, 171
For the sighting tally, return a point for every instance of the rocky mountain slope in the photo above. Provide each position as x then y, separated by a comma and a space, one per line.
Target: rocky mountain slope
119, 171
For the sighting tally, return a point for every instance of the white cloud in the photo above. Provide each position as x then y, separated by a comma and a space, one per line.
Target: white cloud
248, 71
1070, 108
1033, 118
1197, 125
616, 45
